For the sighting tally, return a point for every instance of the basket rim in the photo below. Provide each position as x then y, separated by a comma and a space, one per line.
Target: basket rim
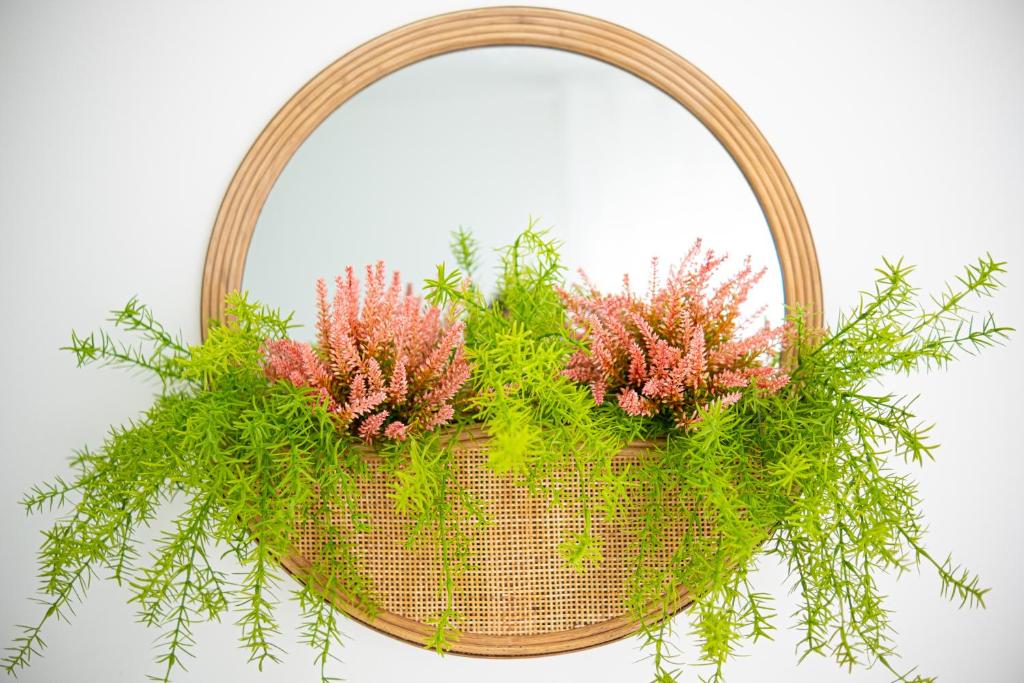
470, 644
476, 431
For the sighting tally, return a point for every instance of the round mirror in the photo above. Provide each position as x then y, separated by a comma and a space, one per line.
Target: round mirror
488, 139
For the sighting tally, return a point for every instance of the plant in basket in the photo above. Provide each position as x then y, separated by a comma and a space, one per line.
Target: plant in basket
680, 348
389, 370
759, 440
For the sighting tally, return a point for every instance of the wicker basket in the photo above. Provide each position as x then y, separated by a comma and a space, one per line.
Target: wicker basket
519, 598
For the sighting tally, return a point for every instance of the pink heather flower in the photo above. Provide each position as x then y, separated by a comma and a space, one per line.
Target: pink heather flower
386, 369
395, 431
729, 399
294, 362
399, 386
637, 363
679, 348
443, 415
635, 405
728, 379
370, 427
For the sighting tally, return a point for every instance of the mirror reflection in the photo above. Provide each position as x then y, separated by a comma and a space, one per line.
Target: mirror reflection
485, 139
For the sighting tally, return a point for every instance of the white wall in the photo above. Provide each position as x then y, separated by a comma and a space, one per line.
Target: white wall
122, 123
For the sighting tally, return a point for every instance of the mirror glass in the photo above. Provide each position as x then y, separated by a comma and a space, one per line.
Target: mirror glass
486, 139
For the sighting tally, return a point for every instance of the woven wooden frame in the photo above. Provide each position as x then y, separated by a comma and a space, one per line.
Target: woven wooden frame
519, 601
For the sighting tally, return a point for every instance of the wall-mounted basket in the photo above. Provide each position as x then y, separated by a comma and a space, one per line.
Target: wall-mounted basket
519, 599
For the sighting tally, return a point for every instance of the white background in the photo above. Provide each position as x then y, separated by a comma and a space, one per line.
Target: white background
122, 123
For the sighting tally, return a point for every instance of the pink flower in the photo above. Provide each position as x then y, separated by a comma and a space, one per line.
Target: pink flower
386, 369
635, 405
443, 415
679, 348
370, 427
396, 431
729, 399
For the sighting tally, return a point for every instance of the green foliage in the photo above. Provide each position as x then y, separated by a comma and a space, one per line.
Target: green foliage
444, 516
157, 352
544, 429
466, 250
251, 462
805, 475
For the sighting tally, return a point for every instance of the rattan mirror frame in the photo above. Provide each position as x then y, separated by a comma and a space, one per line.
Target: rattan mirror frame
588, 36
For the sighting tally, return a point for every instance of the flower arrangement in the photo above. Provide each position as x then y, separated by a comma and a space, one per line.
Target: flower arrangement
678, 350
388, 371
786, 450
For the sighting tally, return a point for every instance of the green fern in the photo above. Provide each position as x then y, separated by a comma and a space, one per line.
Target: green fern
251, 460
804, 475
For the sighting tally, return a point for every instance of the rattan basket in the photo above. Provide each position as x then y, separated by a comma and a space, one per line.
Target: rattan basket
519, 597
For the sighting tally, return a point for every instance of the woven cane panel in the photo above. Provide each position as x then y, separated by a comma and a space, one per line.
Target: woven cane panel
519, 584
